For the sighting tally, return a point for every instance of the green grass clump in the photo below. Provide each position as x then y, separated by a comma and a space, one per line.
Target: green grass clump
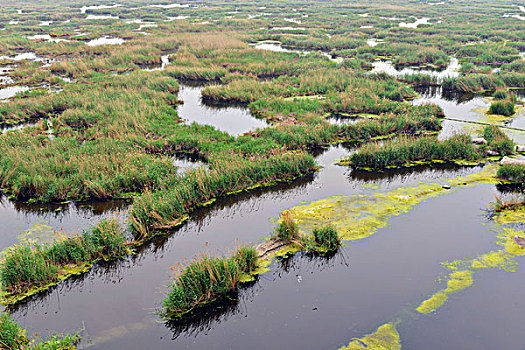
13, 337
405, 150
287, 230
498, 141
505, 108
26, 267
208, 279
323, 240
500, 94
513, 172
326, 237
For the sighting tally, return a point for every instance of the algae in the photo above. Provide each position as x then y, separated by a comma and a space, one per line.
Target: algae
385, 337
461, 271
359, 216
514, 216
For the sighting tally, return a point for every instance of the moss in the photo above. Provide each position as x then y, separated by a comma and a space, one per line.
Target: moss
385, 337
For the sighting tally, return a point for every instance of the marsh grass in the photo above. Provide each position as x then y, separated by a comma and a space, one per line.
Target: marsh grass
405, 150
322, 240
164, 209
12, 336
207, 279
505, 108
25, 267
287, 230
326, 237
498, 141
514, 173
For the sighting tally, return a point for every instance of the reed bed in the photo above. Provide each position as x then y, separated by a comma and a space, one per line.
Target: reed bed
405, 150
25, 267
498, 141
164, 208
14, 337
208, 279
514, 173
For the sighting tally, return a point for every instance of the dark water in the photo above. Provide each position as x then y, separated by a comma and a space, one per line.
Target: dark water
233, 120
304, 302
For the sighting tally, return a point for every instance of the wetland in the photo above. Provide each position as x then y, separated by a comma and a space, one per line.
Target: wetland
303, 174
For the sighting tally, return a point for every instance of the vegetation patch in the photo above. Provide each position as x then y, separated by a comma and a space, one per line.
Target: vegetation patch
206, 280
498, 141
26, 270
414, 151
385, 337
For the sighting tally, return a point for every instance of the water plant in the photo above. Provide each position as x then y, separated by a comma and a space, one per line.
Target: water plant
498, 141
207, 279
514, 173
505, 108
287, 230
327, 237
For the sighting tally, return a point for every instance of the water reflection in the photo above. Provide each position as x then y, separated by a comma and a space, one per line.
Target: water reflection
229, 118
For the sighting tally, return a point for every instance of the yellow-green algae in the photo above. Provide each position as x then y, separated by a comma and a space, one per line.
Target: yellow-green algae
37, 233
359, 216
458, 280
461, 271
385, 337
260, 268
514, 216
